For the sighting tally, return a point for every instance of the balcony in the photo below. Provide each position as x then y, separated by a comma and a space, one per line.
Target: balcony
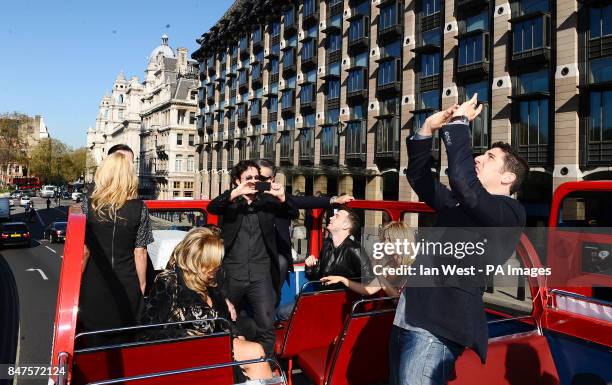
600, 47
389, 32
531, 38
289, 24
161, 150
428, 83
430, 22
473, 54
257, 40
309, 62
161, 173
243, 84
256, 78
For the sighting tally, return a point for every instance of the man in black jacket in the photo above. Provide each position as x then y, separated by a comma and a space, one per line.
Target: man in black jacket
267, 173
433, 325
342, 262
250, 266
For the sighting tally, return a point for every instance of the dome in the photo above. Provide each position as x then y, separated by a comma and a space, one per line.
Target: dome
164, 49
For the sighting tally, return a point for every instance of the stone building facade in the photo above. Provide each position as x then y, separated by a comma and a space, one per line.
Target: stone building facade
330, 89
156, 118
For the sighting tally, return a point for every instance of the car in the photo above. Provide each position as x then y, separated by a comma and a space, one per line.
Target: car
47, 191
28, 192
15, 233
24, 200
77, 196
16, 194
66, 195
56, 232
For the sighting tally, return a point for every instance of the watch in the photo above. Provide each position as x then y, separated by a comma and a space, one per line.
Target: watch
460, 119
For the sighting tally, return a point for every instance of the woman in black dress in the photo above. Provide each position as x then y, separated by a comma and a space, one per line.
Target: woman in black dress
187, 291
117, 234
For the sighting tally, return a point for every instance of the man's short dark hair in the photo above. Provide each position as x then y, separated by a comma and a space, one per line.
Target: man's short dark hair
352, 217
120, 147
241, 167
513, 163
266, 163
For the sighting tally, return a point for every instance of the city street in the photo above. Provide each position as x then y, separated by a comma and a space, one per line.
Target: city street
37, 270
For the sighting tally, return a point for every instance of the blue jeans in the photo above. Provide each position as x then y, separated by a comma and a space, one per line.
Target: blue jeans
417, 357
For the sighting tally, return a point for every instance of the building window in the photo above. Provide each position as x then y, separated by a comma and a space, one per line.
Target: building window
191, 139
355, 141
359, 28
190, 163
430, 7
333, 89
329, 143
188, 194
388, 16
178, 163
334, 42
356, 80
254, 147
286, 146
275, 28
532, 119
387, 130
287, 99
272, 104
176, 194
179, 139
309, 48
176, 184
600, 22
273, 66
600, 70
309, 7
388, 72
430, 65
307, 93
289, 18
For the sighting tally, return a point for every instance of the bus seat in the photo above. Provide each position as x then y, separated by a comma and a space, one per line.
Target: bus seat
127, 360
309, 326
360, 354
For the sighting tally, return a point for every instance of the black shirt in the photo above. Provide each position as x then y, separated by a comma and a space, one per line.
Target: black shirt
248, 259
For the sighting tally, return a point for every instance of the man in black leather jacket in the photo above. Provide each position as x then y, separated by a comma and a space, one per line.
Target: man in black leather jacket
342, 262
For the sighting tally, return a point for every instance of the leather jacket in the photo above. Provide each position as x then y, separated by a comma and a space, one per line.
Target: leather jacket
348, 260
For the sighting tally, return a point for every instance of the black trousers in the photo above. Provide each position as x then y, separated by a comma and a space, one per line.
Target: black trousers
260, 297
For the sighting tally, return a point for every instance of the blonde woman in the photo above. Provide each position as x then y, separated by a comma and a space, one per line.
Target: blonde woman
187, 291
117, 234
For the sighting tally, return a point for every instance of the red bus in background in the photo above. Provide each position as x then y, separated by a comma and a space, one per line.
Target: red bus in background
26, 182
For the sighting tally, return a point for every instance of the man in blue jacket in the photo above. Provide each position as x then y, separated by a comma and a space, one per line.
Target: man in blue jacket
433, 325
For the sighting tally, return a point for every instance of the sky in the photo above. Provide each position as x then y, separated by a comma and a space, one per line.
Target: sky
59, 57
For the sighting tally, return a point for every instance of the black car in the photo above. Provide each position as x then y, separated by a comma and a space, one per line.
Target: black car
56, 232
66, 195
15, 233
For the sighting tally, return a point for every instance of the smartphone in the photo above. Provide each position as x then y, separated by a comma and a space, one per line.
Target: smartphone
263, 186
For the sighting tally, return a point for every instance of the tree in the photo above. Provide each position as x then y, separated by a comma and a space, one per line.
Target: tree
47, 161
13, 142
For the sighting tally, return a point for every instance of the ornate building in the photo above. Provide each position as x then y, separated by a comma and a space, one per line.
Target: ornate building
330, 89
156, 118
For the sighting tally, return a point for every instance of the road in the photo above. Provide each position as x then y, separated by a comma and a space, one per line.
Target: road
37, 288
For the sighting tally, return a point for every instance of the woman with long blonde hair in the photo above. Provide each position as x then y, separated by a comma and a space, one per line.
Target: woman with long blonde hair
187, 291
117, 234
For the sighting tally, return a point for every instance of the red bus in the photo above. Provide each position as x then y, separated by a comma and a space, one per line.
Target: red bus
26, 182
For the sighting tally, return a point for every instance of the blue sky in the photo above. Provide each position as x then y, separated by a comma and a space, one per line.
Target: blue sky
59, 57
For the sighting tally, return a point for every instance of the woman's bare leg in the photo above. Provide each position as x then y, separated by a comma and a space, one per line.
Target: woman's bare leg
246, 350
